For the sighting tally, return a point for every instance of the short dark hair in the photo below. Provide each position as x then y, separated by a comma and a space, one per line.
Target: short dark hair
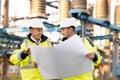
73, 27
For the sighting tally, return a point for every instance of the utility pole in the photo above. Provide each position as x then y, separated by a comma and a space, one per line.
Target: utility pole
5, 16
4, 54
4, 66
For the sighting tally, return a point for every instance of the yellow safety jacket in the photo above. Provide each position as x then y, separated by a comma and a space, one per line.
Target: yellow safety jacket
29, 71
89, 75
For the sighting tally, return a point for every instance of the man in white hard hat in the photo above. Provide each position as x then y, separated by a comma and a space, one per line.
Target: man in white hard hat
22, 57
68, 30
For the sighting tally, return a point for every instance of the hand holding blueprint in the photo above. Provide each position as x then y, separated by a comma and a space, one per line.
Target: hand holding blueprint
64, 60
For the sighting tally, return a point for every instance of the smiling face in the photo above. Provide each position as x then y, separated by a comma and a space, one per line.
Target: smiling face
36, 33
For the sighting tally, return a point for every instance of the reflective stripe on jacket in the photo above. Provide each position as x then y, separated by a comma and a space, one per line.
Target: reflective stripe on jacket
28, 71
86, 76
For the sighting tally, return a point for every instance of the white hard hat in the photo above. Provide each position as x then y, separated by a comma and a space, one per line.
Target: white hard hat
68, 22
36, 23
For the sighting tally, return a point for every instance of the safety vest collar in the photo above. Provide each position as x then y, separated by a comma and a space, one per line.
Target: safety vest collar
43, 38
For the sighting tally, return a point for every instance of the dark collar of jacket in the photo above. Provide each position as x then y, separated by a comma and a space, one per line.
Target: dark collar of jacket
64, 38
43, 38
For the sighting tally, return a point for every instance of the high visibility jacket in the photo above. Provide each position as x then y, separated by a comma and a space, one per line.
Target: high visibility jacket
29, 71
87, 76
93, 49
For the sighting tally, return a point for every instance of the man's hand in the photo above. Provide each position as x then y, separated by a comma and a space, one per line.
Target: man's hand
27, 51
35, 64
90, 55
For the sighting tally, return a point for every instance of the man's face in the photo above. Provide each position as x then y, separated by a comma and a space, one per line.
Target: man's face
65, 32
36, 33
